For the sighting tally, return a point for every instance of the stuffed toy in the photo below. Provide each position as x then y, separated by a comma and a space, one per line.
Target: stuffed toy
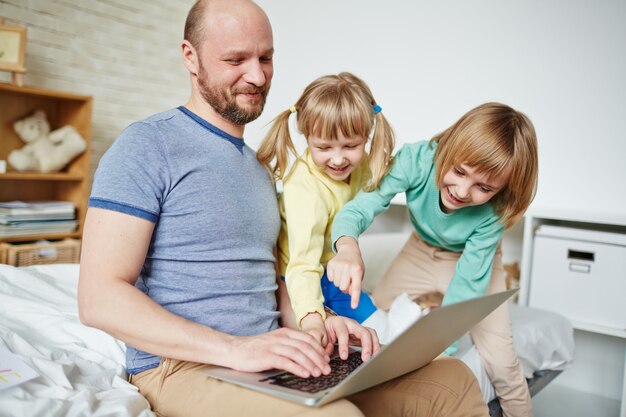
44, 151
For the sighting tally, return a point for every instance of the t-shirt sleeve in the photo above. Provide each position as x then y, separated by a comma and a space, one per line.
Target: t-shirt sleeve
133, 175
473, 270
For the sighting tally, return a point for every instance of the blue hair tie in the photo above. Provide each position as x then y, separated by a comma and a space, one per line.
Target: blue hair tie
377, 108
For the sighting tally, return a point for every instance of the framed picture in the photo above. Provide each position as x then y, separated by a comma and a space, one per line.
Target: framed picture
12, 47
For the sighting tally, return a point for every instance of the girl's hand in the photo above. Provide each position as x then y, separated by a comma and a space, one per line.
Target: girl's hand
346, 269
344, 332
313, 324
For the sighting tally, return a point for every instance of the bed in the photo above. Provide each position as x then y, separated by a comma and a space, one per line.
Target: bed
81, 369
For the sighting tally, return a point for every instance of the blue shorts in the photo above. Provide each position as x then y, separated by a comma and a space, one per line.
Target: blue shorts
339, 302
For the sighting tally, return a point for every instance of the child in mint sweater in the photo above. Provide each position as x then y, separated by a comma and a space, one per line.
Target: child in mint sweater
463, 188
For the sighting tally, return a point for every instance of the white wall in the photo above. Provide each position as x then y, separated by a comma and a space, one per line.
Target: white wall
562, 62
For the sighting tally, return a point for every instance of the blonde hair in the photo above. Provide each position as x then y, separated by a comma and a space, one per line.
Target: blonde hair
493, 138
331, 104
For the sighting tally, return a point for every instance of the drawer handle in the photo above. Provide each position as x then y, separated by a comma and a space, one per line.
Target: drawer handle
576, 267
584, 256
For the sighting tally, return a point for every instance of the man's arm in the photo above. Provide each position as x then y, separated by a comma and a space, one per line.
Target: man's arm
113, 252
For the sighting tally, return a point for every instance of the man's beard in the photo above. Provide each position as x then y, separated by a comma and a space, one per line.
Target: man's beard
224, 103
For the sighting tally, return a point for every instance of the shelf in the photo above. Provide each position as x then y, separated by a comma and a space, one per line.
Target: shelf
577, 216
73, 182
41, 92
37, 176
596, 328
46, 236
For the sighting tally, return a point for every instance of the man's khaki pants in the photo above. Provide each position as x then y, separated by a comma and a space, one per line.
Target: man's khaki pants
445, 387
421, 268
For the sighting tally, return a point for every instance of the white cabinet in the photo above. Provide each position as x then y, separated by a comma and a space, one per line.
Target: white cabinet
578, 273
575, 264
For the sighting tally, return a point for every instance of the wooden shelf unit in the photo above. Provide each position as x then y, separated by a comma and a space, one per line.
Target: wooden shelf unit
70, 184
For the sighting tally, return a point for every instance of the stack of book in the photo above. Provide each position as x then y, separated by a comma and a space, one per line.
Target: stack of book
19, 218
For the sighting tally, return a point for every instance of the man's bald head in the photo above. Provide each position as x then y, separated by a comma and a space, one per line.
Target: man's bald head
202, 11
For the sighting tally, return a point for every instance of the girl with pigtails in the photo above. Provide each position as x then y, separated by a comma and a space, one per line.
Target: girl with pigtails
338, 115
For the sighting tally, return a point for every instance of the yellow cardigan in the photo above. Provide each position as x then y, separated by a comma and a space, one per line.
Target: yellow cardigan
308, 204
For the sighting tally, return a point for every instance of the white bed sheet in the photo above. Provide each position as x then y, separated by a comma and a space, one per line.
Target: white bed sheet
81, 369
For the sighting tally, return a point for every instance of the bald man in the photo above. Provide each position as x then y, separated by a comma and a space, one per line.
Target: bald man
178, 250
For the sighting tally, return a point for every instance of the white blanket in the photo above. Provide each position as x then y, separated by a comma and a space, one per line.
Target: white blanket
81, 369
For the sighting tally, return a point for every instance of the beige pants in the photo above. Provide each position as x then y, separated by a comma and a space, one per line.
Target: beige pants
445, 387
420, 268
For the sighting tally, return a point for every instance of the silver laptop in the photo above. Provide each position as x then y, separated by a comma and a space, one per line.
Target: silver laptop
415, 347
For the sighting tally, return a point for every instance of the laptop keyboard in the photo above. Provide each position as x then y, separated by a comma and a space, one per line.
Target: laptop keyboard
340, 369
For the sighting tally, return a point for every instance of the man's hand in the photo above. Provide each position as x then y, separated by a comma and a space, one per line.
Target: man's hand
344, 332
286, 349
346, 269
313, 324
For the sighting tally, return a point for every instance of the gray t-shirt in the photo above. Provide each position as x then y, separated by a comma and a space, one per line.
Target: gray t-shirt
216, 222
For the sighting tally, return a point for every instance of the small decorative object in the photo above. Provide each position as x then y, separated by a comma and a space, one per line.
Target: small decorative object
13, 50
45, 151
3, 166
512, 277
430, 300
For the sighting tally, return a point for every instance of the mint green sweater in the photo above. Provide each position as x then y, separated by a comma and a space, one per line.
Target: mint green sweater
475, 231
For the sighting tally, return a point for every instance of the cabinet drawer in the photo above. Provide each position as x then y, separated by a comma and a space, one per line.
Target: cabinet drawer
578, 274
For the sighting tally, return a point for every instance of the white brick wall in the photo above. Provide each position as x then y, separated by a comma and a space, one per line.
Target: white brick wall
126, 54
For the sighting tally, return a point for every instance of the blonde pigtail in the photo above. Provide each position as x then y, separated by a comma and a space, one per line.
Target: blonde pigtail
273, 153
382, 144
